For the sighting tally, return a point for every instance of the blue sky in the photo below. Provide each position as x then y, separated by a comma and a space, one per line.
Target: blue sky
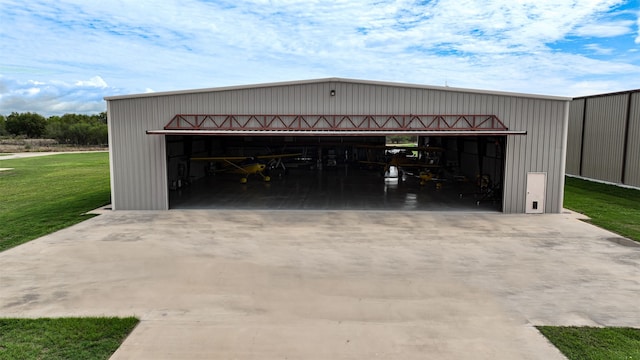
66, 55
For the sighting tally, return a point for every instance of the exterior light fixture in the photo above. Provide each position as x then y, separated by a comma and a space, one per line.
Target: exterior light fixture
332, 93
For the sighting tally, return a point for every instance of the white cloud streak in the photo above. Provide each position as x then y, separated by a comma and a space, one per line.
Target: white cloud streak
128, 46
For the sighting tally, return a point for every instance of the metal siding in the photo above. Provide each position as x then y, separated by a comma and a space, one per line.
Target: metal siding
139, 160
539, 151
112, 144
632, 173
604, 127
554, 145
574, 137
515, 200
518, 157
514, 167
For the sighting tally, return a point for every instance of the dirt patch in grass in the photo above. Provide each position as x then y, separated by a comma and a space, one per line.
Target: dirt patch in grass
17, 145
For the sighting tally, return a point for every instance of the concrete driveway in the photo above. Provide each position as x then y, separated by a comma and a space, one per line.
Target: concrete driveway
327, 284
23, 155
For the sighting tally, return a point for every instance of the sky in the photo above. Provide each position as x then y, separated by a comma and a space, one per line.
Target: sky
65, 56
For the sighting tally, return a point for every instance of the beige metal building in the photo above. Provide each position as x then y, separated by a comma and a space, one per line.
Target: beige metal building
517, 140
604, 138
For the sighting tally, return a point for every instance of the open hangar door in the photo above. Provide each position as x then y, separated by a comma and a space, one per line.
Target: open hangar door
478, 162
461, 173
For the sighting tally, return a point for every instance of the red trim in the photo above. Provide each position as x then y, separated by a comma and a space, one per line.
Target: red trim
220, 122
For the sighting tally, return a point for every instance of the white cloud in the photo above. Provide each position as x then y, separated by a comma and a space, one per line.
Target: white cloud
32, 91
95, 81
597, 49
143, 45
611, 29
53, 98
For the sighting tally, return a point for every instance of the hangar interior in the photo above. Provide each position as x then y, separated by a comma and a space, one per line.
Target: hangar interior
441, 173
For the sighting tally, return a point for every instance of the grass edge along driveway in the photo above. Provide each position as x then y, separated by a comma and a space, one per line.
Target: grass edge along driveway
45, 194
63, 338
39, 196
610, 207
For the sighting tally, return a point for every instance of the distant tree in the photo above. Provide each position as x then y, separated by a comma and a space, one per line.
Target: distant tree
78, 129
3, 129
102, 117
402, 139
57, 130
31, 125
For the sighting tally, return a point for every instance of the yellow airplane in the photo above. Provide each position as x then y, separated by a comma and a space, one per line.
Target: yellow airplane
247, 166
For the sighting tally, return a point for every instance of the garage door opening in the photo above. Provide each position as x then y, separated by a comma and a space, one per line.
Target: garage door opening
439, 173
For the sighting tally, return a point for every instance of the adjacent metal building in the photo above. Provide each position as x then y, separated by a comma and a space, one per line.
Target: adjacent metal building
533, 129
604, 138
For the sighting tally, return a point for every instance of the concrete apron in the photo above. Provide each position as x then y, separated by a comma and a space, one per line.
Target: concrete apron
328, 284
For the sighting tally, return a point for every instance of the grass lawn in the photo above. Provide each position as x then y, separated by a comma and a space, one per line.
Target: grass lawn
49, 193
42, 195
610, 207
588, 343
67, 338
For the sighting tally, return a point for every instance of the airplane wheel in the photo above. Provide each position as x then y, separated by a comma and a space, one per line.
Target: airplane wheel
243, 180
267, 178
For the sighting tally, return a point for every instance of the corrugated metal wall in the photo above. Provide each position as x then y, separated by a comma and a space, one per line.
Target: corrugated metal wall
632, 163
138, 161
574, 139
139, 178
604, 138
603, 147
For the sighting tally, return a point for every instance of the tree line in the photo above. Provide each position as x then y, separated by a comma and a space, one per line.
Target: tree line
74, 129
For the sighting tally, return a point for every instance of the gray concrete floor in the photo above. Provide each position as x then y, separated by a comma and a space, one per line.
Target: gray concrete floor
336, 189
214, 284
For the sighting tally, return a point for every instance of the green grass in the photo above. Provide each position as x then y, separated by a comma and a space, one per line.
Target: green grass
42, 195
588, 343
45, 194
610, 207
67, 338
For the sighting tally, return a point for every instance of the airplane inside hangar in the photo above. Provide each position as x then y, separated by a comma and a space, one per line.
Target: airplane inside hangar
442, 173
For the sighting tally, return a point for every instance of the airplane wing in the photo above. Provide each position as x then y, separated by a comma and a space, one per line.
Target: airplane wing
221, 158
278, 156
243, 158
401, 147
415, 148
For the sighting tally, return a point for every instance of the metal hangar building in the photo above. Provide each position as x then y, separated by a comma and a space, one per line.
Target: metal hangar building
604, 138
505, 149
